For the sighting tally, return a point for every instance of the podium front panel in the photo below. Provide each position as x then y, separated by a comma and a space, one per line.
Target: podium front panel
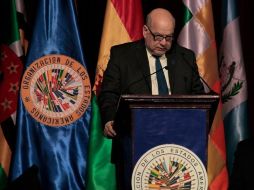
145, 122
153, 127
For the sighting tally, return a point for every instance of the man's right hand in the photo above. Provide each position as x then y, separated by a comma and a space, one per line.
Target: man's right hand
108, 129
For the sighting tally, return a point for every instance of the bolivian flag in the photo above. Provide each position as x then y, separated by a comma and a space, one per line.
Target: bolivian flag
123, 22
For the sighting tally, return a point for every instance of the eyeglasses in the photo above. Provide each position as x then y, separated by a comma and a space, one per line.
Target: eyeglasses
159, 37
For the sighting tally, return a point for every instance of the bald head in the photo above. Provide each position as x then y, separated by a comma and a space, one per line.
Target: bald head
160, 16
158, 31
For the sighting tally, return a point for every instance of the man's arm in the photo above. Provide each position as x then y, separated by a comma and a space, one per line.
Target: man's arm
185, 72
197, 86
110, 93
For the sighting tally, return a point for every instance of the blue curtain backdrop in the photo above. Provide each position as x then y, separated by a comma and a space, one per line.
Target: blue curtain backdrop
59, 152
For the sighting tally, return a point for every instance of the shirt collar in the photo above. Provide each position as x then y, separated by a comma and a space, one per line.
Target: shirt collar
163, 57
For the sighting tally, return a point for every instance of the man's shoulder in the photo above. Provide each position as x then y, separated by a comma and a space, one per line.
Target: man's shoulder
244, 154
245, 148
246, 144
128, 45
183, 50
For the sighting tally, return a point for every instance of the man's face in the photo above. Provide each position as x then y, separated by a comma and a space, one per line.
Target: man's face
158, 37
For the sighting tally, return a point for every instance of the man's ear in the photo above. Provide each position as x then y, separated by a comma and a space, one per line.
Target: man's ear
145, 30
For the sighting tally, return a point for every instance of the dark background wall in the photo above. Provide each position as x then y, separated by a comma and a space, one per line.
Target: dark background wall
247, 33
91, 16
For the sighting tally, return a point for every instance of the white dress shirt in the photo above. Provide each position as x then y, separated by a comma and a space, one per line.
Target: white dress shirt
163, 60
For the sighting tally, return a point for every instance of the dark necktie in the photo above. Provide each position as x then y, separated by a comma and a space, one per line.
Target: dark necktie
162, 84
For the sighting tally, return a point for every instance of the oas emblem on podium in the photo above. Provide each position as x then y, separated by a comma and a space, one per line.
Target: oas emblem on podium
169, 166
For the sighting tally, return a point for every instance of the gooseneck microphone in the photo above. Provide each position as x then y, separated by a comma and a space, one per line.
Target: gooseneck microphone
211, 91
136, 81
143, 78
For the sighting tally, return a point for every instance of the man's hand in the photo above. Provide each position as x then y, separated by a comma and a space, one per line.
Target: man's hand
108, 129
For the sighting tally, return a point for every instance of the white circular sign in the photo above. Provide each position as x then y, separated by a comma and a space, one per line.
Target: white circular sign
56, 90
168, 167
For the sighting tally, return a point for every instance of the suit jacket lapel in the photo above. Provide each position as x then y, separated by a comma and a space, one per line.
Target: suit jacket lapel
171, 62
141, 56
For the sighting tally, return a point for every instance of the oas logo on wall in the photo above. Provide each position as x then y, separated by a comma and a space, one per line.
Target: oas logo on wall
167, 167
56, 90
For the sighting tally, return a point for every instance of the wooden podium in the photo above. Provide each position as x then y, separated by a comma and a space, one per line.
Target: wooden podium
144, 122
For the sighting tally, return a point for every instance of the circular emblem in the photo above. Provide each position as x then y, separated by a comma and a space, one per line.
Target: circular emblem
169, 166
56, 90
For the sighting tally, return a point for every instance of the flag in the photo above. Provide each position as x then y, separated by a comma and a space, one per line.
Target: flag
54, 105
10, 74
198, 35
123, 23
233, 79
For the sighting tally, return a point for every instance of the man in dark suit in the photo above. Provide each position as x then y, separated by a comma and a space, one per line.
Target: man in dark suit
133, 67
242, 173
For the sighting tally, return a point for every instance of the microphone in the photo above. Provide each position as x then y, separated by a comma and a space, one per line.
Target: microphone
210, 90
143, 78
136, 81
